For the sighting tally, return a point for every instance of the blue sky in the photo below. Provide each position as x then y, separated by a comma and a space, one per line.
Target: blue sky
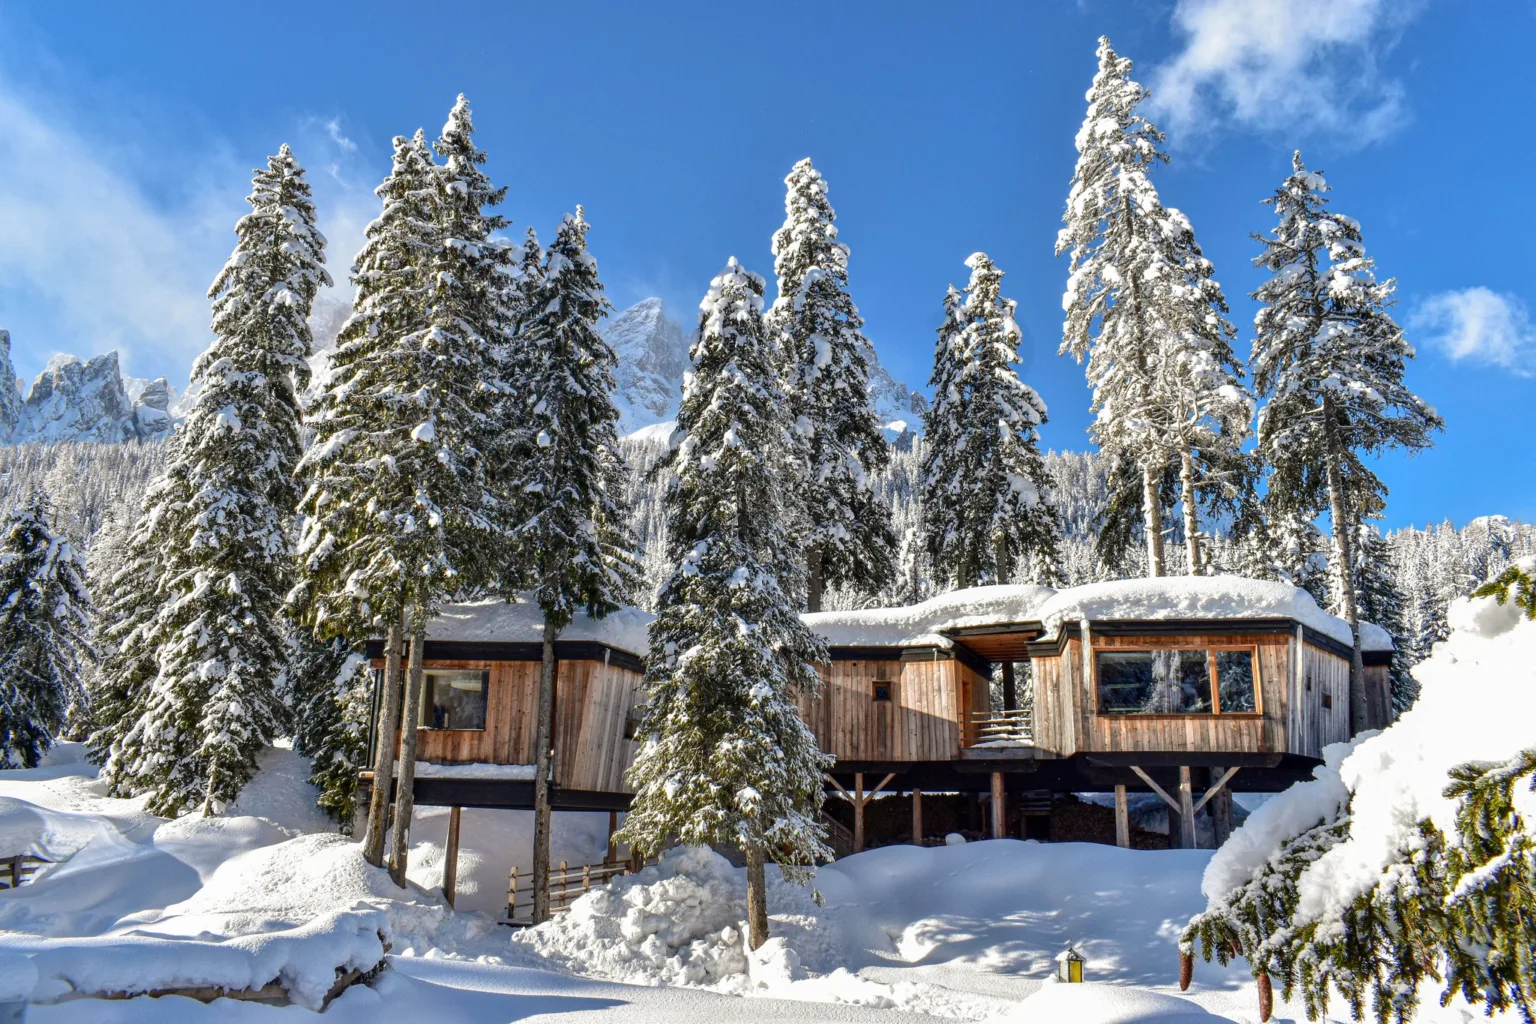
127, 133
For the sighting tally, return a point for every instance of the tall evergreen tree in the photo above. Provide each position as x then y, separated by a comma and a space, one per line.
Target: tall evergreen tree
1330, 360
227, 493
726, 757
569, 474
331, 688
1144, 309
1381, 602
45, 618
988, 488
941, 474
824, 362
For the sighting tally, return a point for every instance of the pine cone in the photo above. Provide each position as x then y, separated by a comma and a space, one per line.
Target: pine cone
1266, 998
1186, 971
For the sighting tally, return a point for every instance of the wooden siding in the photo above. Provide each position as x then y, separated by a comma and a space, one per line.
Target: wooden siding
592, 704
919, 723
509, 717
1378, 697
1313, 725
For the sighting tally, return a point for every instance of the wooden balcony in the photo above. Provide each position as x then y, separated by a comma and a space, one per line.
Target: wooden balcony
997, 730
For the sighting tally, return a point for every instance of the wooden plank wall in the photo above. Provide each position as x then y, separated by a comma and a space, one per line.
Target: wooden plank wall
1378, 697
592, 706
1053, 716
919, 723
509, 718
1321, 673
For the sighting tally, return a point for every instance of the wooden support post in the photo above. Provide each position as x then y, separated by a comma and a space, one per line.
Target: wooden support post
999, 807
451, 857
1221, 816
858, 812
917, 817
1122, 820
612, 857
1186, 810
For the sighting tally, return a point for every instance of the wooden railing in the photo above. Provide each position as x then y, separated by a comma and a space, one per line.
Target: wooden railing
839, 836
17, 870
566, 885
997, 729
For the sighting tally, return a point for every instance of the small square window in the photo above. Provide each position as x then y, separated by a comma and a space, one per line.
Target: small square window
882, 689
1327, 700
454, 700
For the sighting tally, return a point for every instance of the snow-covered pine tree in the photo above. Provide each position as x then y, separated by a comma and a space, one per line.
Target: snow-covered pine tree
824, 362
941, 472
1380, 601
331, 698
569, 474
372, 532
726, 757
1329, 359
45, 620
226, 496
1165, 382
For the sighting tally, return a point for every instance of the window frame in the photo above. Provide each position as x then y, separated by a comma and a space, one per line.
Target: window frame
1210, 650
485, 697
890, 691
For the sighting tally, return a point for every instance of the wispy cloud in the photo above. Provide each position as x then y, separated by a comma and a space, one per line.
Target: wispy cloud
108, 243
1479, 326
1298, 66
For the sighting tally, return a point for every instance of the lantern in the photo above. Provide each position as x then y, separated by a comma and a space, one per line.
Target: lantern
1069, 965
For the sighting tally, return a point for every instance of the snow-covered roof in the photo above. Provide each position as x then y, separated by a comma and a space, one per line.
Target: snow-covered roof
919, 625
505, 622
1167, 597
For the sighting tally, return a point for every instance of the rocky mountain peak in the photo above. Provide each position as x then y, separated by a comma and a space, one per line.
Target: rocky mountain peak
73, 400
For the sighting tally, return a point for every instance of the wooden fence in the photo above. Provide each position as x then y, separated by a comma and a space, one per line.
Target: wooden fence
19, 870
566, 885
997, 729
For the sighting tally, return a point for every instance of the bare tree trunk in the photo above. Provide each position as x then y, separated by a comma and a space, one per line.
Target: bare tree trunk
543, 748
384, 745
410, 719
1152, 513
815, 582
1191, 514
1343, 568
757, 898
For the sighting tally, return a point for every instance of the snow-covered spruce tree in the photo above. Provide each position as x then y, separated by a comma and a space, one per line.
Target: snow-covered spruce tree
726, 757
45, 619
569, 474
824, 362
941, 471
222, 507
129, 590
1381, 602
1329, 361
1166, 385
331, 691
988, 488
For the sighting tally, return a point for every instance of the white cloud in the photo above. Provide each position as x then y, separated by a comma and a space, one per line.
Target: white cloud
1479, 325
1297, 66
333, 128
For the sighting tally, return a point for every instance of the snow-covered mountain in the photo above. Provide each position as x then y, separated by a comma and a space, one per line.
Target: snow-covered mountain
653, 355
82, 401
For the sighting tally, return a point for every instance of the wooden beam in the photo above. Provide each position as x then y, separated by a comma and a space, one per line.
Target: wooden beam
1170, 801
839, 787
858, 812
999, 807
451, 857
876, 791
1216, 788
612, 856
1122, 820
1187, 809
917, 817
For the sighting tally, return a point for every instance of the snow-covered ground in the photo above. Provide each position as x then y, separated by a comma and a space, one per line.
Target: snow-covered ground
964, 932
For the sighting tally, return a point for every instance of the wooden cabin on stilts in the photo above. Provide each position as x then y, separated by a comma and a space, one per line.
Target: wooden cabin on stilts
1186, 688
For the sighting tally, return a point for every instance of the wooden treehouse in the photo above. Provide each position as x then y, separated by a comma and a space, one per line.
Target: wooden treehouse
1186, 687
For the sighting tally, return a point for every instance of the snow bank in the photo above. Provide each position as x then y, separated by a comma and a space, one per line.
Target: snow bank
625, 629
1107, 1004
477, 770
1473, 705
922, 624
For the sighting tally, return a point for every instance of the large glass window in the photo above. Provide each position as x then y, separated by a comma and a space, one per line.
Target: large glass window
454, 699
1179, 681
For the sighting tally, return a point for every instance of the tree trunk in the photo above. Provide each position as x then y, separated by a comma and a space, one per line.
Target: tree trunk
410, 719
1010, 689
543, 748
1003, 555
1191, 515
1343, 567
757, 898
384, 745
1152, 517
815, 581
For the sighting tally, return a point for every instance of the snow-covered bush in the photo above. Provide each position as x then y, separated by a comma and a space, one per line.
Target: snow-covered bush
1410, 857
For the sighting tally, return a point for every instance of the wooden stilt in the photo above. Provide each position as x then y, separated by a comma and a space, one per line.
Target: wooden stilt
1122, 820
999, 807
917, 817
451, 857
1186, 810
613, 849
858, 812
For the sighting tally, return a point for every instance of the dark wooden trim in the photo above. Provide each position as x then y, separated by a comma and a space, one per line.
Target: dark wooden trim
1175, 758
997, 629
506, 650
1191, 627
511, 793
868, 653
